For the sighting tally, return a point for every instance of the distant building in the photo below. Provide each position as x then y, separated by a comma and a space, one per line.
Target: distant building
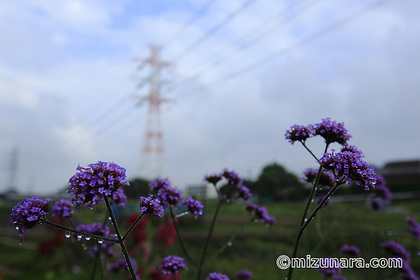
402, 175
197, 192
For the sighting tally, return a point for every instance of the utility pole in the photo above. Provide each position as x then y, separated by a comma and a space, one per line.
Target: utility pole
153, 139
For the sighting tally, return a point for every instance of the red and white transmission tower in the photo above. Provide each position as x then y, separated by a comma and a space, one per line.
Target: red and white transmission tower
153, 144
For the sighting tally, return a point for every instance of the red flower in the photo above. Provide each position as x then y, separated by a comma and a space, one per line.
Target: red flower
166, 235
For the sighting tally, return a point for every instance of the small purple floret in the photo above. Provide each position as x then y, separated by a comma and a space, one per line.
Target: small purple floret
195, 207
62, 208
171, 265
150, 205
217, 276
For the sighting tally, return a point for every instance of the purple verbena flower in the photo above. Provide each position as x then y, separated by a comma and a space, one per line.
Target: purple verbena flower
299, 133
260, 214
91, 183
232, 177
217, 276
160, 184
62, 208
195, 207
29, 213
350, 250
244, 274
352, 149
150, 205
214, 178
119, 197
407, 273
171, 265
383, 193
95, 246
396, 250
329, 267
350, 167
380, 180
414, 227
326, 179
332, 131
244, 192
167, 194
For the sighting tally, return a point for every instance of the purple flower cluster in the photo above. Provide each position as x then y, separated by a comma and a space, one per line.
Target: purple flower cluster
195, 207
299, 133
329, 267
244, 274
29, 213
376, 204
331, 131
414, 227
171, 265
217, 276
63, 208
167, 194
396, 250
95, 246
349, 166
407, 273
150, 205
350, 250
260, 214
326, 179
91, 183
234, 180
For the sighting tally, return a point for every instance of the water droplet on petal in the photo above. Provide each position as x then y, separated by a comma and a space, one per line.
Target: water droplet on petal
67, 234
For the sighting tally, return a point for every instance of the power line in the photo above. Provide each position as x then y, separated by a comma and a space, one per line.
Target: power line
246, 44
189, 22
213, 30
300, 43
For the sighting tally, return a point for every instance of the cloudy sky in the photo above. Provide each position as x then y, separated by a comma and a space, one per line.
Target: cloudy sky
242, 73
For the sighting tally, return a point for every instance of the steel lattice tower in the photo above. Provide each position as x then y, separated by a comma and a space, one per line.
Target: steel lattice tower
153, 140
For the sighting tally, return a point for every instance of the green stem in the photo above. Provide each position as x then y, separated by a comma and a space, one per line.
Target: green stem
120, 240
132, 226
206, 245
304, 220
179, 237
95, 266
80, 232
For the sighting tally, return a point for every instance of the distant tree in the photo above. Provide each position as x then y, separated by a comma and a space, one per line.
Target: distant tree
138, 187
276, 183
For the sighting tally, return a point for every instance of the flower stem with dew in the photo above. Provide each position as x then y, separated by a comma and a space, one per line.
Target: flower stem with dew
132, 226
184, 249
120, 240
80, 232
308, 220
305, 211
206, 245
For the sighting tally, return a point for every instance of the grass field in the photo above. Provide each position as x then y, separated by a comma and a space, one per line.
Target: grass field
237, 243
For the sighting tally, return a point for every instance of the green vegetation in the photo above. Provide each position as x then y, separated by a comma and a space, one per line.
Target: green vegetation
252, 245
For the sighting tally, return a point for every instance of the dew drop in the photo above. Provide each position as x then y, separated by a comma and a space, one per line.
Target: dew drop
79, 236
109, 218
67, 234
100, 241
87, 238
306, 220
267, 225
229, 244
312, 201
17, 228
181, 214
227, 200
